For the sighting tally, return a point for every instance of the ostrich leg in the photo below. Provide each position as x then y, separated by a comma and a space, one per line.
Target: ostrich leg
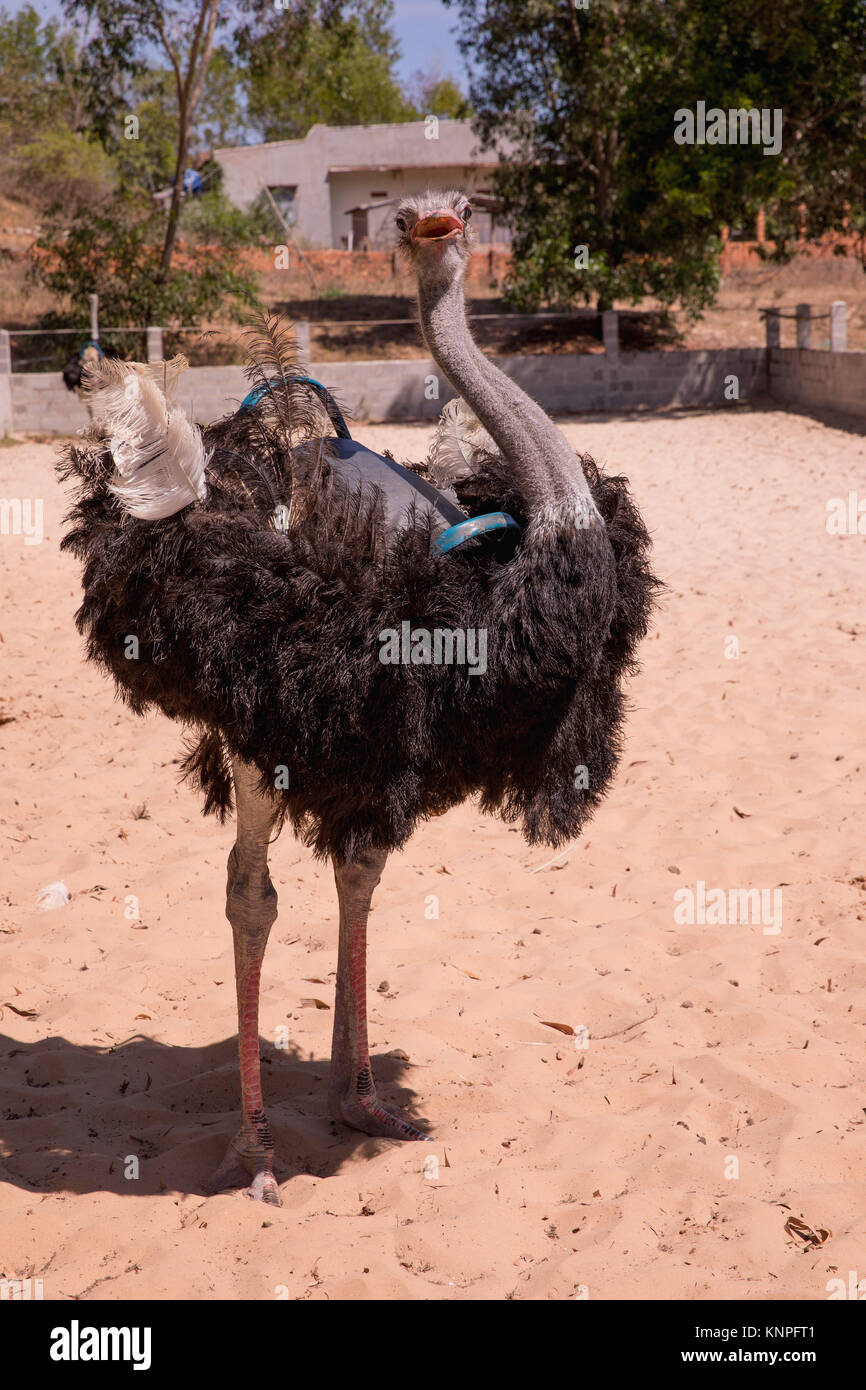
352, 1092
251, 907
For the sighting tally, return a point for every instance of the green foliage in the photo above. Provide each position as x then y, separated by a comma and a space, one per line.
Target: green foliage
47, 156
31, 96
65, 96
808, 58
444, 98
60, 168
145, 160
211, 219
263, 221
117, 51
431, 93
114, 249
581, 101
319, 63
220, 119
112, 36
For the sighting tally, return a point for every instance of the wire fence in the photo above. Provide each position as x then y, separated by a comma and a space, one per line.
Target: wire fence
51, 348
778, 313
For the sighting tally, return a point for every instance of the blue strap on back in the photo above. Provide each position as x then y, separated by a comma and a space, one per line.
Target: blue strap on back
336, 418
475, 526
448, 539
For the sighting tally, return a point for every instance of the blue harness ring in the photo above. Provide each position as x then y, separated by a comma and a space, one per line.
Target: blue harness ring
475, 526
253, 397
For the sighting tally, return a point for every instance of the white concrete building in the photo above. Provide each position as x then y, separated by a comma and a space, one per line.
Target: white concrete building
337, 185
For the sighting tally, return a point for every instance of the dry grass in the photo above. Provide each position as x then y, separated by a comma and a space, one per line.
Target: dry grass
735, 319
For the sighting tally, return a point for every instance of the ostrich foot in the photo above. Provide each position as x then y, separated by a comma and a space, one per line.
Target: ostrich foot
366, 1113
237, 1166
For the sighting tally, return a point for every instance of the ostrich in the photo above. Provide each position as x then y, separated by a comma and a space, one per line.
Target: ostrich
260, 564
84, 360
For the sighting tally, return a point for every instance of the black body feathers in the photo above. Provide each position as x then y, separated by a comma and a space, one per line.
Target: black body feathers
269, 642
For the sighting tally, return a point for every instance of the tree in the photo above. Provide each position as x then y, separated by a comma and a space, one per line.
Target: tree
319, 62
39, 83
582, 98
186, 32
807, 59
47, 154
220, 118
145, 151
434, 93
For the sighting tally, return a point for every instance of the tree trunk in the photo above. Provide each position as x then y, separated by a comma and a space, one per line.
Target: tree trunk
189, 90
176, 199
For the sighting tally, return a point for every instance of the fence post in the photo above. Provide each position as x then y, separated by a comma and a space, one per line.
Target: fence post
838, 326
773, 327
302, 340
154, 345
804, 326
5, 383
94, 316
610, 331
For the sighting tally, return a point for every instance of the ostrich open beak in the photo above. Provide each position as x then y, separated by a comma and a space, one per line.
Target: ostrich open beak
437, 226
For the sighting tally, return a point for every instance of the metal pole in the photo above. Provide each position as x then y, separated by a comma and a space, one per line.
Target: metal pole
94, 317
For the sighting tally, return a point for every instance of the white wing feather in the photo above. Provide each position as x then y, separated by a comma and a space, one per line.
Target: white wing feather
158, 453
459, 436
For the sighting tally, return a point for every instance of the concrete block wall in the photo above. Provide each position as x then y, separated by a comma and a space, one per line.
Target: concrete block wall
819, 380
394, 390
560, 382
206, 393
41, 404
616, 381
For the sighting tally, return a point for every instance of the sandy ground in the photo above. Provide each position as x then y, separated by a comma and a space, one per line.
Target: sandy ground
721, 1088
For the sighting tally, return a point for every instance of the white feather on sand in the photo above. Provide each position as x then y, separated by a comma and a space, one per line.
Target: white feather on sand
53, 895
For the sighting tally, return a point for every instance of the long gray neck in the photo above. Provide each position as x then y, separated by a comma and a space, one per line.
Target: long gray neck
543, 463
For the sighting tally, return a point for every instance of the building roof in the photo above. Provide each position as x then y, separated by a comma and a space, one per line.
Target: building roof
377, 148
387, 168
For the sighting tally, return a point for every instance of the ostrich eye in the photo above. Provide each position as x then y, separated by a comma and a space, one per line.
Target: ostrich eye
466, 213
401, 223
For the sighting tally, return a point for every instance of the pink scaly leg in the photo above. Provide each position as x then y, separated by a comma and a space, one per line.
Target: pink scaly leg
251, 907
352, 1092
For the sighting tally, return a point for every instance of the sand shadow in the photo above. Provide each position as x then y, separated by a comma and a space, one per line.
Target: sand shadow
823, 415
73, 1118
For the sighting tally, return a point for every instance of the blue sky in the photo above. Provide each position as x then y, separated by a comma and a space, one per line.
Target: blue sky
422, 26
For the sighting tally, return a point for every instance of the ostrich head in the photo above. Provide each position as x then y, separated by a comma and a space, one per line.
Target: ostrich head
434, 233
435, 239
